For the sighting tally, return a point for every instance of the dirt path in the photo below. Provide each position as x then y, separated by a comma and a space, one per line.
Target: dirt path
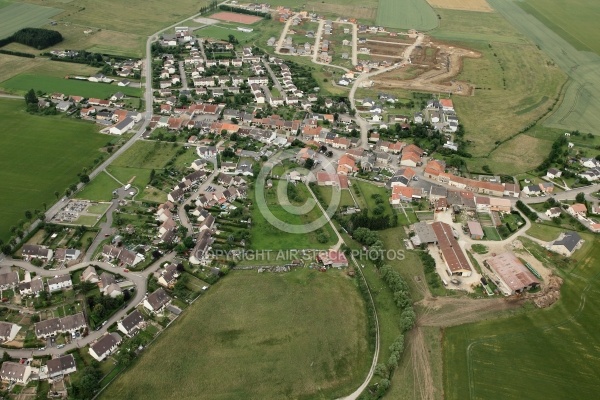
445, 311
423, 379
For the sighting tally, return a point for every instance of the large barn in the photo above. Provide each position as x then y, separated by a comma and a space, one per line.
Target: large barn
510, 273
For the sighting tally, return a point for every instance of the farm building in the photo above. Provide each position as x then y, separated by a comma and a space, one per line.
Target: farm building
450, 251
510, 273
475, 230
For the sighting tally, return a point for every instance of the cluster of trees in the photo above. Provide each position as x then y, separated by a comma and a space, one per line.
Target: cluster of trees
103, 306
365, 236
294, 195
34, 37
17, 53
86, 387
302, 77
529, 213
364, 220
209, 8
433, 279
556, 155
371, 323
399, 287
239, 10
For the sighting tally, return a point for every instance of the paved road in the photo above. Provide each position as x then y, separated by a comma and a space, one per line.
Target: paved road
183, 217
364, 125
275, 79
184, 82
139, 279
284, 32
318, 38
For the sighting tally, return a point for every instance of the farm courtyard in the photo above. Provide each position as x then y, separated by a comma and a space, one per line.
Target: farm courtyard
300, 334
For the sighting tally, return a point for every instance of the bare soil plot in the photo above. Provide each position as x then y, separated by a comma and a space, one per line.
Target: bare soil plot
465, 5
237, 18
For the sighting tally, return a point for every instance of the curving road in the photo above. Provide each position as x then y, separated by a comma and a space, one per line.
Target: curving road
139, 279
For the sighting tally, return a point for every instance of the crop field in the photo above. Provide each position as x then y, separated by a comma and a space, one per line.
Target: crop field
48, 84
406, 14
466, 5
540, 354
128, 17
21, 15
577, 23
38, 156
222, 32
578, 109
266, 236
297, 335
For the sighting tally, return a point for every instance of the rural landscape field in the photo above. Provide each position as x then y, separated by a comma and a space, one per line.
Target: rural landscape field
38, 158
296, 335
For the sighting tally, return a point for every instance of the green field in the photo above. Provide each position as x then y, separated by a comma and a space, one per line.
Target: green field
575, 23
22, 15
362, 10
48, 84
406, 14
267, 236
578, 109
38, 156
542, 354
345, 196
99, 189
222, 32
297, 335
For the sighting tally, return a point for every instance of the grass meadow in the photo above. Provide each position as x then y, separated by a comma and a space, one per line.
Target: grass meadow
267, 236
11, 66
362, 10
513, 77
15, 16
259, 336
99, 189
48, 84
406, 14
542, 354
345, 196
38, 156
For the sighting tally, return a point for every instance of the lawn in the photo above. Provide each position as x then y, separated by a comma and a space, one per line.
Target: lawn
540, 354
223, 31
345, 196
48, 84
364, 191
38, 156
99, 189
265, 235
22, 15
296, 335
406, 14
11, 66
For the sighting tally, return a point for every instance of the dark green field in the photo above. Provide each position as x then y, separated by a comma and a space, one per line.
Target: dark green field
48, 84
542, 354
298, 335
38, 156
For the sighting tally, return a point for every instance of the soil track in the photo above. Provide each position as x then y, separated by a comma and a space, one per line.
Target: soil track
447, 311
438, 78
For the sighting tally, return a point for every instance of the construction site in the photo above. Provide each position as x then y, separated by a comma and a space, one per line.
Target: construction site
433, 66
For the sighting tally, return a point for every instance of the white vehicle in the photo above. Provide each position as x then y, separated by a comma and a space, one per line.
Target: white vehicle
127, 186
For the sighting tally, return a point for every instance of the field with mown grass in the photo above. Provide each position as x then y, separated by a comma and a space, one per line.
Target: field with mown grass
301, 334
15, 16
38, 156
265, 235
541, 354
48, 84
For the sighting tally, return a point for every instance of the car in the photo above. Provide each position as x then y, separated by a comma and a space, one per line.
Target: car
125, 270
42, 348
60, 346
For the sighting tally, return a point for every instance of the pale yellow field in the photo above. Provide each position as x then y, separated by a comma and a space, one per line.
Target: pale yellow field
11, 66
466, 5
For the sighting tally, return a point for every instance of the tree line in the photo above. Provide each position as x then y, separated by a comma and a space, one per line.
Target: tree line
239, 10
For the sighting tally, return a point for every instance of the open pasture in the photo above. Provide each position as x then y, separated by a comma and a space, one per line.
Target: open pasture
362, 10
539, 354
465, 5
406, 14
38, 156
16, 16
48, 84
296, 335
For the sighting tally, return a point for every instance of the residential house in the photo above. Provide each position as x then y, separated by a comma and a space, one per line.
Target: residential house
89, 275
105, 346
168, 276
33, 287
567, 243
31, 251
8, 331
13, 372
9, 280
61, 366
156, 301
130, 324
59, 282
553, 173
577, 210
